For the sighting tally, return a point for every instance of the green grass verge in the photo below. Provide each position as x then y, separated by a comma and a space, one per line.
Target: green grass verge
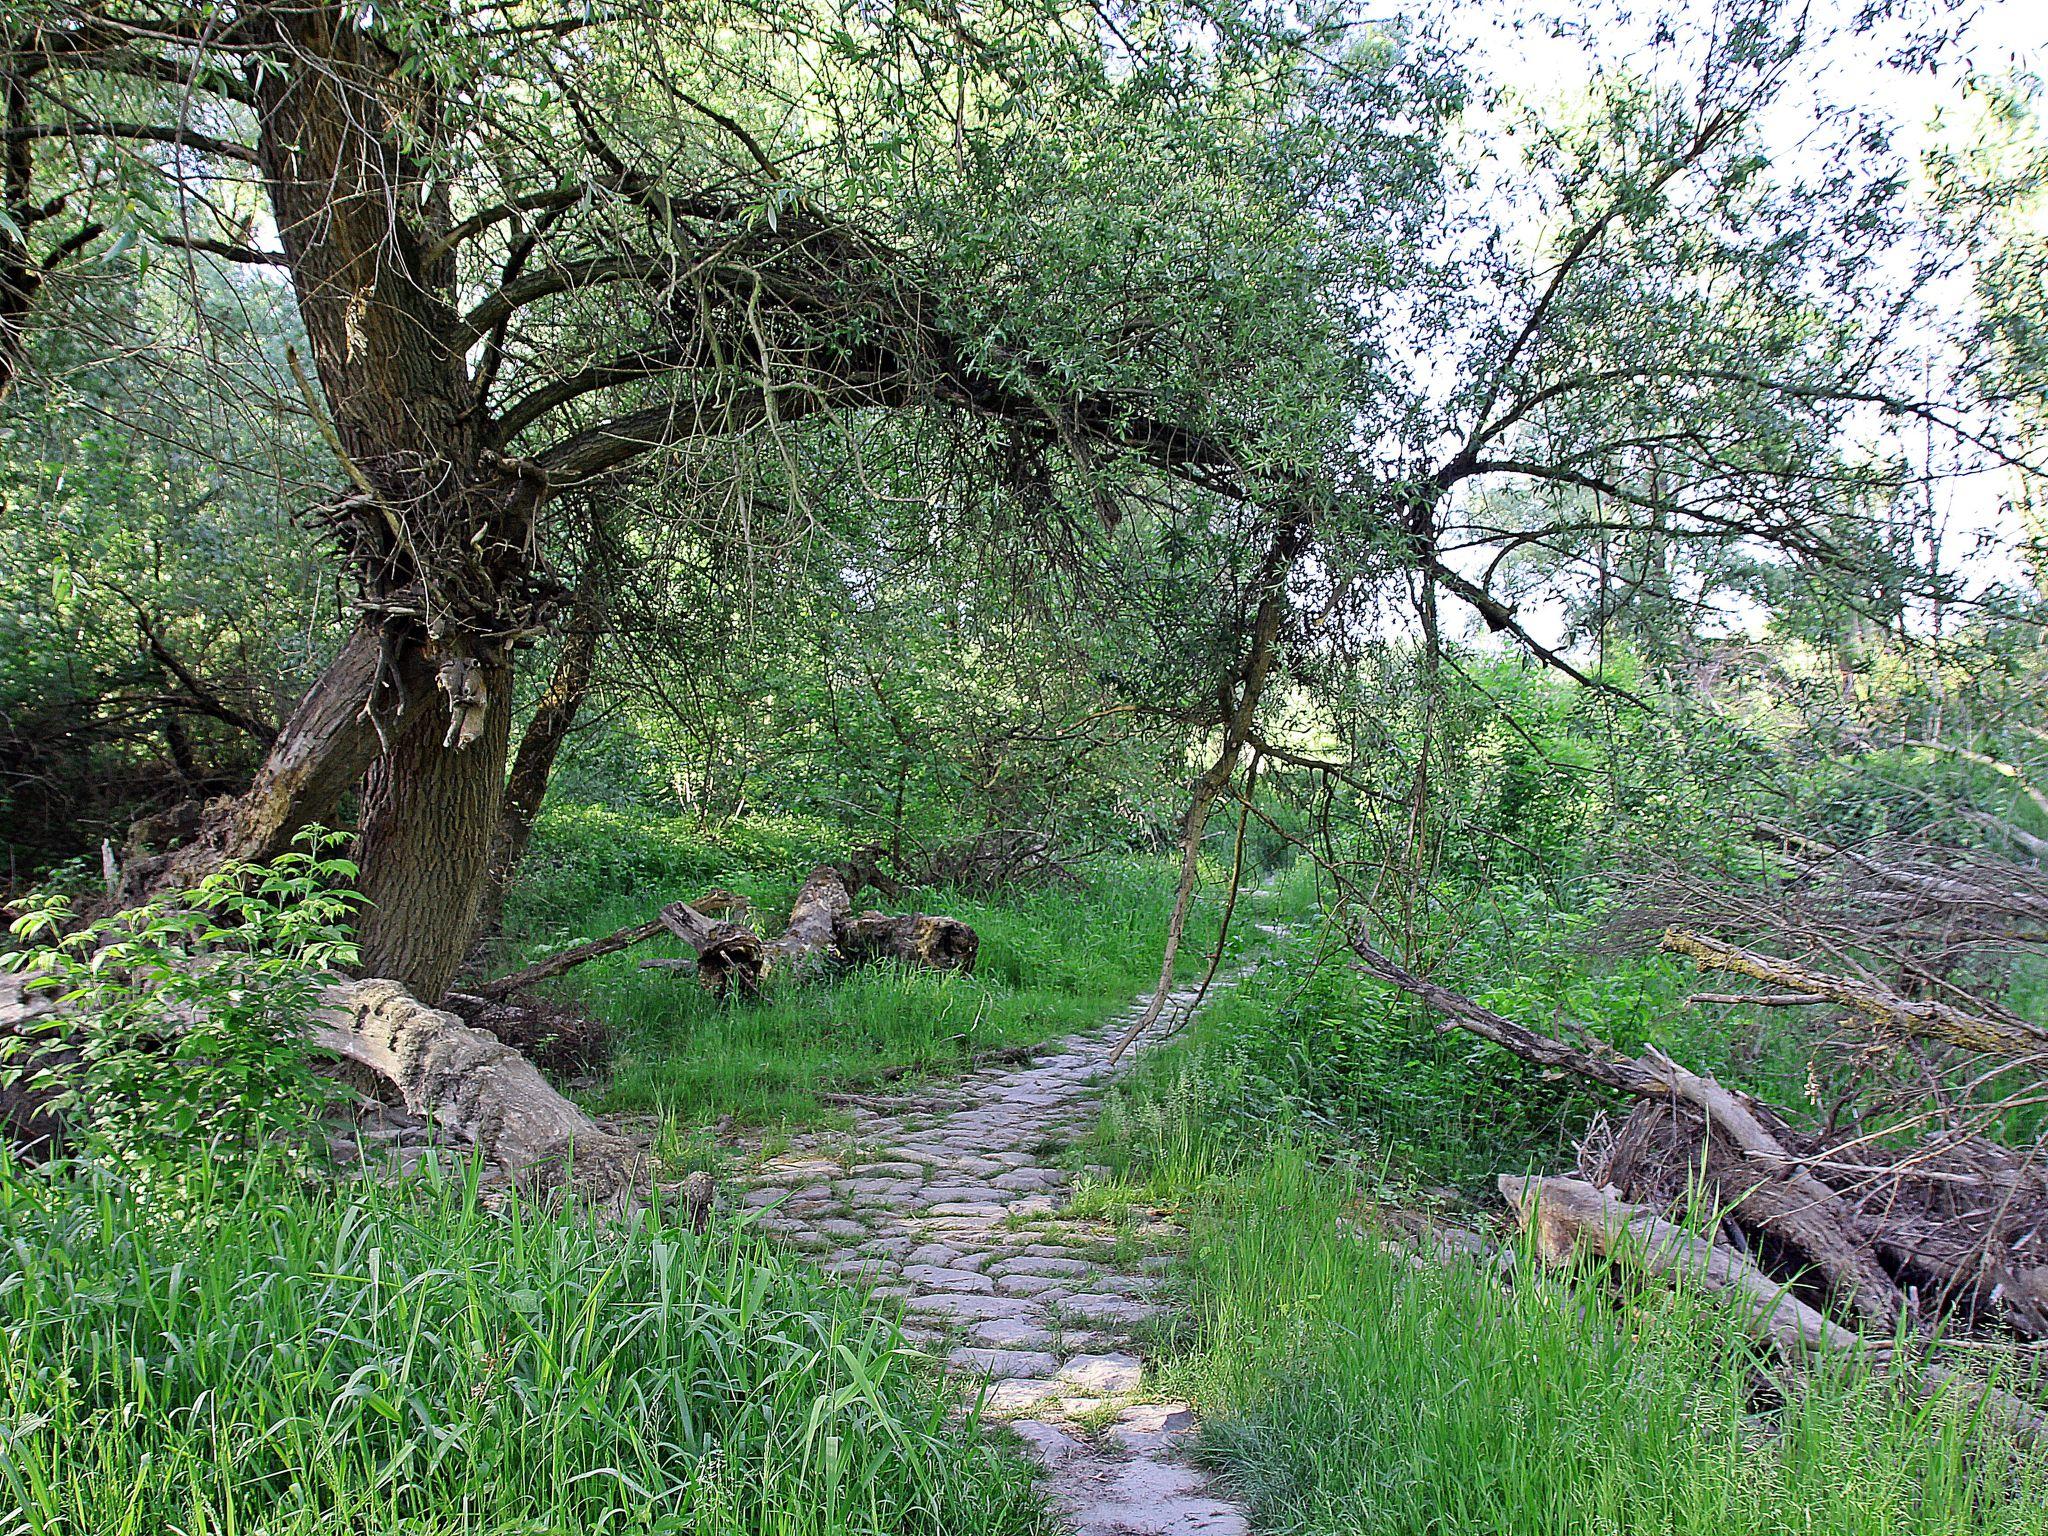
1348, 1392
285, 1362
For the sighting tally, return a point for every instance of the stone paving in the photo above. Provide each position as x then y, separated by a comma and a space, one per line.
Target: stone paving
954, 1208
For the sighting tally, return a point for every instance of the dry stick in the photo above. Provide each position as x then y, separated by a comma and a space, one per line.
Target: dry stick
592, 949
1567, 1213
1928, 1019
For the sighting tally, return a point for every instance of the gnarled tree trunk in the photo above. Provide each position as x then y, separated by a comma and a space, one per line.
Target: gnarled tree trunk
430, 810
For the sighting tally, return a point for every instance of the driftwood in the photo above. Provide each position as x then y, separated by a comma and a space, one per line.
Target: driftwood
1694, 1140
823, 933
481, 1090
1568, 1215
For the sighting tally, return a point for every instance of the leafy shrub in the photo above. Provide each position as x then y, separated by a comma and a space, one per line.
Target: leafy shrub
181, 1024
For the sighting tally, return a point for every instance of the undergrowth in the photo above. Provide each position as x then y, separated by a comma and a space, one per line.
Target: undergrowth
1346, 1390
289, 1361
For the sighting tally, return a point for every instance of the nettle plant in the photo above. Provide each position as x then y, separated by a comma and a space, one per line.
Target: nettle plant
180, 1025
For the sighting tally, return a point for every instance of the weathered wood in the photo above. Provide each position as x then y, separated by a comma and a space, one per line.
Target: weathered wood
1783, 1198
482, 1090
593, 949
811, 941
1923, 1018
915, 938
1748, 1166
730, 956
823, 933
1565, 1215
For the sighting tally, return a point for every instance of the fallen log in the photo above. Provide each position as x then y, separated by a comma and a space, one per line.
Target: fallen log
1567, 1215
1724, 1146
811, 941
730, 956
483, 1091
711, 904
823, 933
916, 939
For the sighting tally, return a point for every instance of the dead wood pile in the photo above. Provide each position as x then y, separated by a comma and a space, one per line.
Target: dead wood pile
823, 934
1931, 1223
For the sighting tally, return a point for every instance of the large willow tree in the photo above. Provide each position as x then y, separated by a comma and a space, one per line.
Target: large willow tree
1242, 317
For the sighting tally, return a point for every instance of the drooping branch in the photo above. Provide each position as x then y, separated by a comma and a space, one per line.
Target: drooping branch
1922, 1018
1238, 708
1598, 1061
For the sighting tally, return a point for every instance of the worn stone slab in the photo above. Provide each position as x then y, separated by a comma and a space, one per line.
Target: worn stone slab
1106, 1374
967, 1309
931, 1277
1008, 1363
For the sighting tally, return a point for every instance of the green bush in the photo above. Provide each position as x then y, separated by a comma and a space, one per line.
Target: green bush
181, 1029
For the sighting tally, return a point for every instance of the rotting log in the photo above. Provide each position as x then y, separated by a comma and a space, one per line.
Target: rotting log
811, 941
823, 933
1567, 1215
730, 956
915, 938
481, 1090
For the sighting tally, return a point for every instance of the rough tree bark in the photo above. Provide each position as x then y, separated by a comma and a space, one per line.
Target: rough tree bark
481, 1090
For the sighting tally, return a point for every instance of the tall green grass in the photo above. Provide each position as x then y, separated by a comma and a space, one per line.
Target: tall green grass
278, 1361
1052, 962
1349, 1392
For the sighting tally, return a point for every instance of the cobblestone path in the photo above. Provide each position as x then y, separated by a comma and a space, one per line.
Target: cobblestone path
954, 1208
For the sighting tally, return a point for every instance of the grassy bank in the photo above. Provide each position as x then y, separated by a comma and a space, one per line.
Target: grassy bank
1347, 1391
274, 1361
1052, 961
1351, 1393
